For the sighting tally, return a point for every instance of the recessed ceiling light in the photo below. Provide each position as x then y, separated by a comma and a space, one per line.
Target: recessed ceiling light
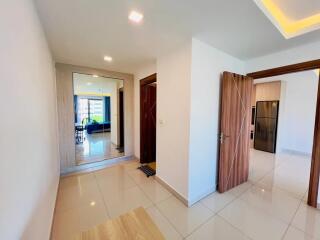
135, 16
107, 58
95, 76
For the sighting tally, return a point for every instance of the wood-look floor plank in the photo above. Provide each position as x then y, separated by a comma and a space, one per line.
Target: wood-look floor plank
133, 225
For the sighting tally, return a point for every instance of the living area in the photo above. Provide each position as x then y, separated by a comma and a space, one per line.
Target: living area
98, 118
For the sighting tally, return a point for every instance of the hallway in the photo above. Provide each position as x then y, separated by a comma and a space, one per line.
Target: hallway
272, 205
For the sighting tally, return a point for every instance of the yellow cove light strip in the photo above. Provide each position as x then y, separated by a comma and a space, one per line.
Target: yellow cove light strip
288, 28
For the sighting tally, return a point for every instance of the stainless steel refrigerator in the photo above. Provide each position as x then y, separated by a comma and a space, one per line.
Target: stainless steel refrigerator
265, 135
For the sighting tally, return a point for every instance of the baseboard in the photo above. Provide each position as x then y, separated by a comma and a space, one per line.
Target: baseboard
201, 196
173, 191
94, 166
290, 151
54, 210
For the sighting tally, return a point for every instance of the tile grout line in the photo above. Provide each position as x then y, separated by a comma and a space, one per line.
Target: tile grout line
165, 217
237, 198
100, 191
253, 184
217, 213
294, 215
155, 205
290, 223
286, 192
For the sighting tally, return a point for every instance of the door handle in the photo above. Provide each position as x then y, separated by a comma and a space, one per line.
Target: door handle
223, 137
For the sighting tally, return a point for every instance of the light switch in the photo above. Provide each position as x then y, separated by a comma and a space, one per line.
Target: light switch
161, 122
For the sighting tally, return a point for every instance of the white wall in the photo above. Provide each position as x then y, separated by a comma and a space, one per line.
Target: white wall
188, 105
143, 72
294, 55
173, 109
299, 111
208, 64
28, 125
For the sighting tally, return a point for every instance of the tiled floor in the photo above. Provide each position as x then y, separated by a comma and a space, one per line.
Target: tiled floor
96, 147
272, 205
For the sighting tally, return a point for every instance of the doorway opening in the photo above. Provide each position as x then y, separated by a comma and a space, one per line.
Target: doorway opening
283, 132
98, 118
288, 126
148, 123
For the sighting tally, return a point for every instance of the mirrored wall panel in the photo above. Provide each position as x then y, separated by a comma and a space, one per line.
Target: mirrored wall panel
98, 118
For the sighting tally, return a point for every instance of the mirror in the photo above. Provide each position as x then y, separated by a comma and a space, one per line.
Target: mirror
98, 118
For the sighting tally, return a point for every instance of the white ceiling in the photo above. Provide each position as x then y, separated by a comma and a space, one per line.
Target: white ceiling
298, 9
84, 84
81, 32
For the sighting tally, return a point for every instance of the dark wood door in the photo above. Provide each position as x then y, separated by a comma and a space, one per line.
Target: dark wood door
235, 120
121, 120
148, 106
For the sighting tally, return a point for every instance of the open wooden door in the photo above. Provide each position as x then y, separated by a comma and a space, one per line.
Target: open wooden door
235, 120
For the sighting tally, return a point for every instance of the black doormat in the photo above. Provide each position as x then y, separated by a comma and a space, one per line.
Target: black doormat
147, 170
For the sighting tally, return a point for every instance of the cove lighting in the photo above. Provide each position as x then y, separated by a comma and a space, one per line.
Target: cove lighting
288, 28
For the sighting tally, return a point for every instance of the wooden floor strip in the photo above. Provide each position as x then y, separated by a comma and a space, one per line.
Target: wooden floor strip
135, 224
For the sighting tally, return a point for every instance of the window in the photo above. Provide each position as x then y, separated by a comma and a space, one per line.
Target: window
90, 110
95, 110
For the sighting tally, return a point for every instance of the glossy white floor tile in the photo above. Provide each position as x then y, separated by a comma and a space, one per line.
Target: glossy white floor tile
185, 219
163, 224
307, 219
217, 228
139, 177
76, 192
70, 222
126, 200
252, 221
238, 190
216, 201
271, 205
155, 191
295, 234
275, 202
293, 186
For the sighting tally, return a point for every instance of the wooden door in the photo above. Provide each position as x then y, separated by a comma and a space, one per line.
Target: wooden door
121, 120
148, 94
235, 120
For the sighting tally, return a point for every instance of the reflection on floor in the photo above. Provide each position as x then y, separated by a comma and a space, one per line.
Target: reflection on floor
271, 205
96, 147
135, 224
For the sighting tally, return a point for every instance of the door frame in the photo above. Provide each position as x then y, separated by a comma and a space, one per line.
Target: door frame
121, 118
145, 81
315, 160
